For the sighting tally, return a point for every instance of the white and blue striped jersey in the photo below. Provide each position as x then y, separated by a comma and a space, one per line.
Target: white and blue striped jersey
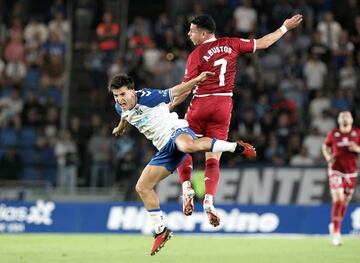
151, 116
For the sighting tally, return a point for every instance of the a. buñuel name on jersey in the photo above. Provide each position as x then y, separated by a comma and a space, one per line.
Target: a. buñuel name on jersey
215, 50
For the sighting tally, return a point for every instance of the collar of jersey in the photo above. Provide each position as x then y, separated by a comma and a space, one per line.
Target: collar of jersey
210, 40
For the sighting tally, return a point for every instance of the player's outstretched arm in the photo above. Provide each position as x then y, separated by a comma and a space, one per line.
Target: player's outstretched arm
120, 129
354, 147
327, 153
185, 87
269, 39
178, 100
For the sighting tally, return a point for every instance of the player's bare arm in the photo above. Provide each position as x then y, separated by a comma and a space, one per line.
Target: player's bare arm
120, 129
354, 147
327, 153
186, 87
269, 39
178, 100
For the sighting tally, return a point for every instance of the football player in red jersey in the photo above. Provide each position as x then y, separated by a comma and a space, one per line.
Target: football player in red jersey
340, 150
209, 113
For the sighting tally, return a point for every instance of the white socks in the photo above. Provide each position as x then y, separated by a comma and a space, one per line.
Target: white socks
157, 220
208, 198
185, 186
222, 146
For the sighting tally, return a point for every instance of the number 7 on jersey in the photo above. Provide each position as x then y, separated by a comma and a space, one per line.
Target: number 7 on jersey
223, 64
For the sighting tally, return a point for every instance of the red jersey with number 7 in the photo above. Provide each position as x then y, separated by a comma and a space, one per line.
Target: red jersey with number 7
219, 56
345, 160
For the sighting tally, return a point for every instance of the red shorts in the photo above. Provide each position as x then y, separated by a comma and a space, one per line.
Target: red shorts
338, 182
210, 116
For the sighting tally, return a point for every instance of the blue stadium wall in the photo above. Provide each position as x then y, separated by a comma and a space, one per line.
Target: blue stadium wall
46, 216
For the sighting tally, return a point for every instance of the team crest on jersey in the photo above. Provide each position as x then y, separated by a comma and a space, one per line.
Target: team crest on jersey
353, 134
337, 134
138, 111
163, 93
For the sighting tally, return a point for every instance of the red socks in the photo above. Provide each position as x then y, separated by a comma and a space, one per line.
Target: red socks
337, 213
185, 169
212, 172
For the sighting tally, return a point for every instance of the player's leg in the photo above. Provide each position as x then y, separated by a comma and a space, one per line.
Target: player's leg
185, 142
194, 118
349, 189
145, 187
216, 127
337, 197
212, 177
184, 172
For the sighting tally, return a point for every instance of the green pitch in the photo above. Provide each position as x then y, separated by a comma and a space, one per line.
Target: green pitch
50, 248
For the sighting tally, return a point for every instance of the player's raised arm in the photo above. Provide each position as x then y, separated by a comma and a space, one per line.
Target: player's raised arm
185, 87
120, 129
269, 39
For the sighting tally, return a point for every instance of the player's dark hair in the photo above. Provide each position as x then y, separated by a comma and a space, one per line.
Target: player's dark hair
121, 80
205, 22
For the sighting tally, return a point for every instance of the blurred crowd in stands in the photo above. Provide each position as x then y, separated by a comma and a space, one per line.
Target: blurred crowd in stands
285, 101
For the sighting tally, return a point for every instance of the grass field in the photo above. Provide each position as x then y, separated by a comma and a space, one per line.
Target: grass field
48, 248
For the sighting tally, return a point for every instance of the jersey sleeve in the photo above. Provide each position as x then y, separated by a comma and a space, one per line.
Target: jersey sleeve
192, 66
118, 109
244, 45
153, 97
329, 139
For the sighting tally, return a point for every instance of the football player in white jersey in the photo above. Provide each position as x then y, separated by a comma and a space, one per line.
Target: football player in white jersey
148, 111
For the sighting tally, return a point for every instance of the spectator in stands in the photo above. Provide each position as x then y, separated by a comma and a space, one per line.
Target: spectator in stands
325, 122
10, 164
302, 158
274, 153
60, 26
67, 159
51, 124
221, 13
33, 28
100, 148
53, 70
245, 17
116, 67
10, 105
33, 56
348, 77
15, 72
2, 75
313, 141
315, 73
14, 49
319, 49
108, 33
139, 39
54, 46
32, 111
95, 64
330, 31
344, 51
355, 33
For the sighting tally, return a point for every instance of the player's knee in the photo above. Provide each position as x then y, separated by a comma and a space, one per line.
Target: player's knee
185, 147
141, 189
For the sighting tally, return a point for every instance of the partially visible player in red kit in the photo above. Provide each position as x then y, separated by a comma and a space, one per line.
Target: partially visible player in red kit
340, 150
209, 113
